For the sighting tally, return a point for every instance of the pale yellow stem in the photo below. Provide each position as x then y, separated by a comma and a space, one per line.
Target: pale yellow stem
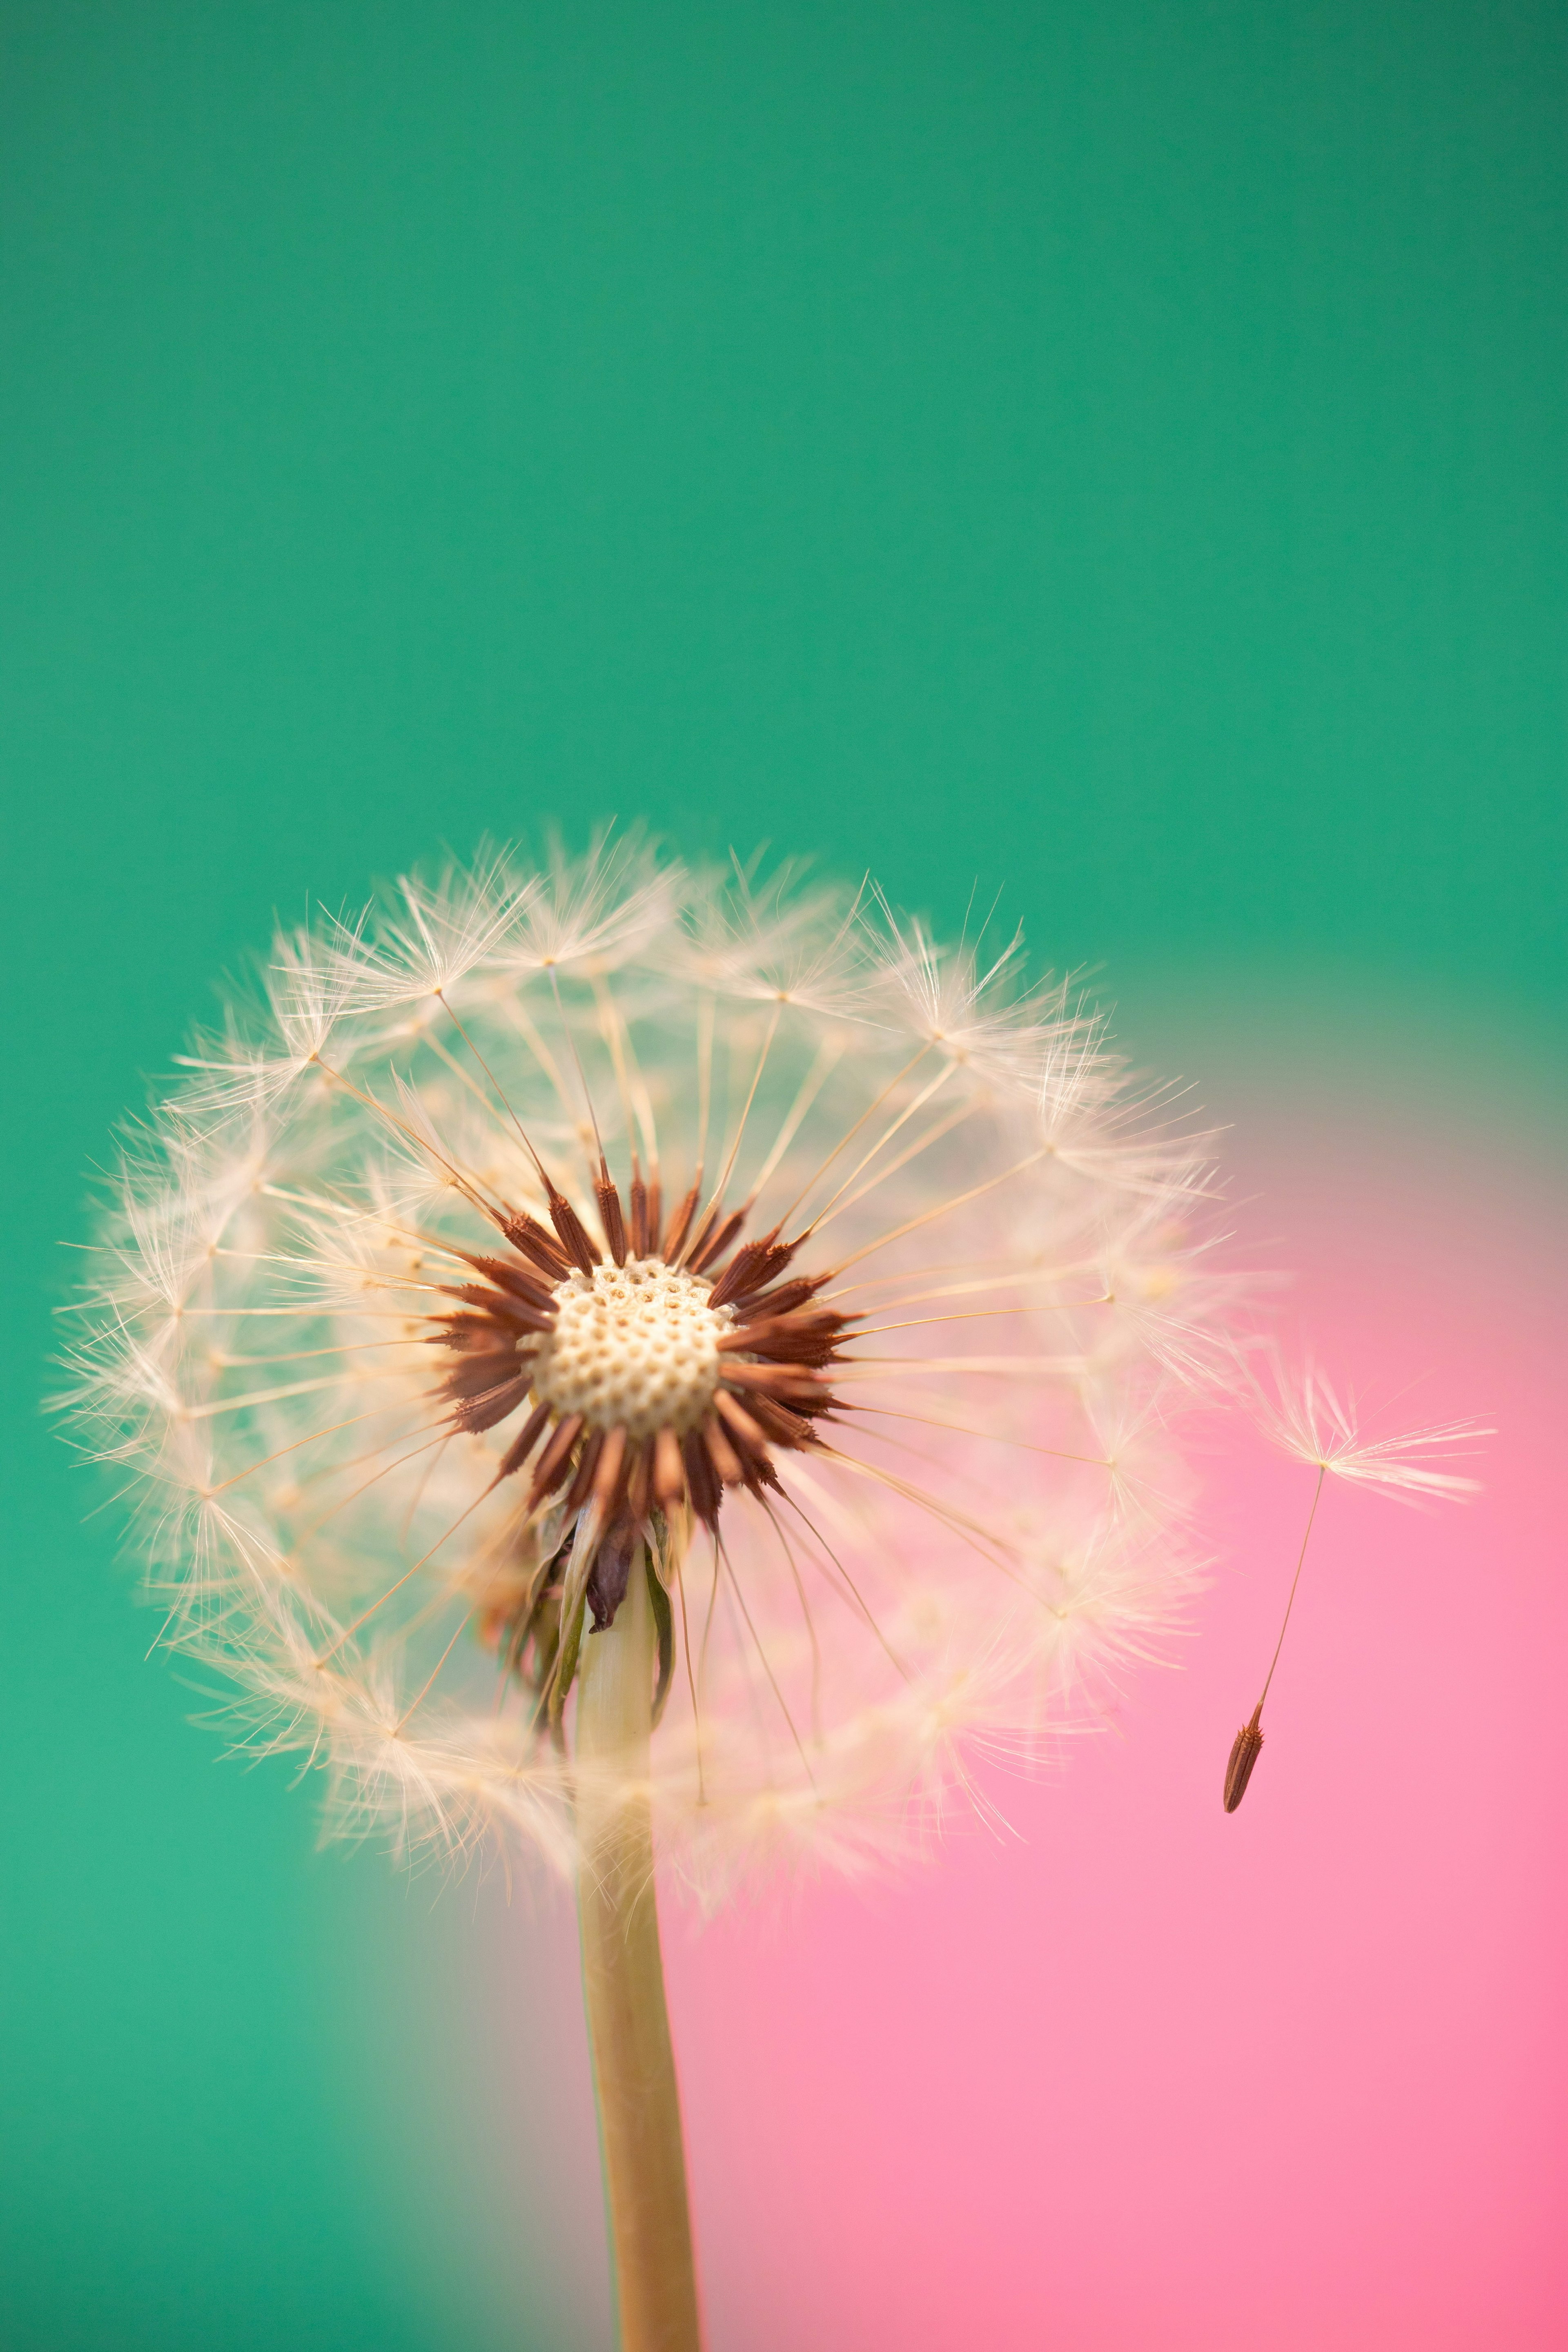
623, 1983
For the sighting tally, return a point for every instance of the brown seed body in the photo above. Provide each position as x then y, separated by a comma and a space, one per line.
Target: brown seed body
573, 1233
610, 1215
1246, 1749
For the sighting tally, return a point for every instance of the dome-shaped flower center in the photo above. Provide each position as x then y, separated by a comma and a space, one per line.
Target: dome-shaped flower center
634, 1347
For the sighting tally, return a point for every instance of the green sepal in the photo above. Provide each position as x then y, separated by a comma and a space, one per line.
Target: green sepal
664, 1624
530, 1625
566, 1657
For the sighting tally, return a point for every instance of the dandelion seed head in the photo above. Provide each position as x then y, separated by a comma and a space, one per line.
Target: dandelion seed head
550, 1225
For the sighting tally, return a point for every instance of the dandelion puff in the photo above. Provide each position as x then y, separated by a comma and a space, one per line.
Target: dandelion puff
737, 1199
776, 939
1306, 1418
276, 1030
979, 1010
595, 913
428, 937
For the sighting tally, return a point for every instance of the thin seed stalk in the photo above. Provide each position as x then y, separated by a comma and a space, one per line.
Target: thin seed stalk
622, 1984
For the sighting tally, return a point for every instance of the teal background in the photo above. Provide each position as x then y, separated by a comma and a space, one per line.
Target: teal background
1114, 453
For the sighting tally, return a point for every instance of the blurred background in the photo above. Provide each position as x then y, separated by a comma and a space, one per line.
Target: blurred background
1114, 454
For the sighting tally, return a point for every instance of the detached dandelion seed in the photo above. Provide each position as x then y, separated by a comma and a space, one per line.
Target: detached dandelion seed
552, 1240
1309, 1421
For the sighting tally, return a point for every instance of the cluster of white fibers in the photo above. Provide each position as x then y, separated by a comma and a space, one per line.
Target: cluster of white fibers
403, 1327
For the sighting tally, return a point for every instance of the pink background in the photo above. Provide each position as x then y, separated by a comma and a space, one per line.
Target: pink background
1142, 2074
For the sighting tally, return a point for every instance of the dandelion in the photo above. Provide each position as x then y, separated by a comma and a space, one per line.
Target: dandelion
627, 1361
1306, 1420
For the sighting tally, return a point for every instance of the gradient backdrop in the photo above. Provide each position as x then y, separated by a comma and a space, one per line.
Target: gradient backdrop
1114, 452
